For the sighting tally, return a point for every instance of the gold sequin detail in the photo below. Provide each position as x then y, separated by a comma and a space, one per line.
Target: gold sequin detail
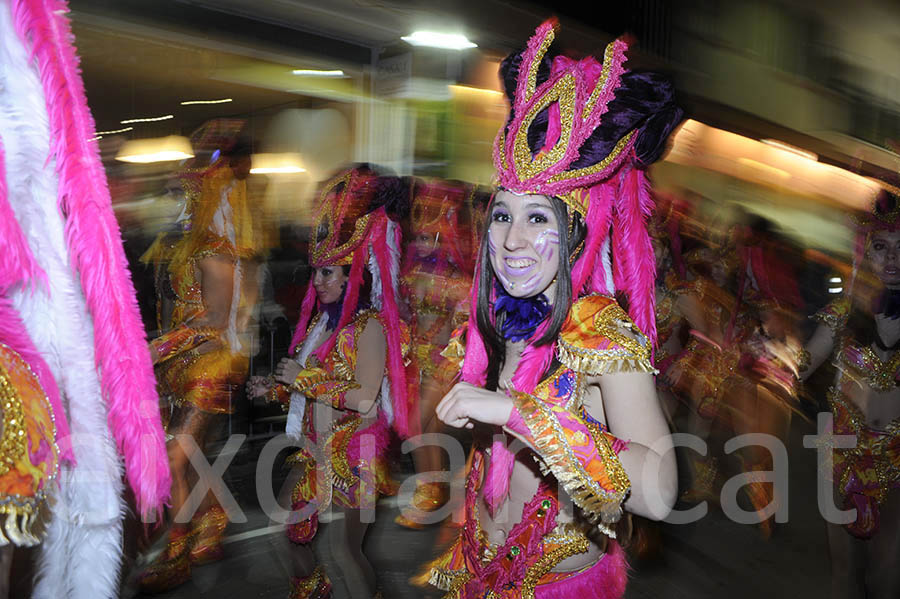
596, 168
563, 92
608, 55
331, 212
536, 63
12, 443
549, 561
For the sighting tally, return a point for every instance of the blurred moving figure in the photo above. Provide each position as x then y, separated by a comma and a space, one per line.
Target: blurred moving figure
345, 386
202, 358
705, 374
738, 371
436, 281
862, 332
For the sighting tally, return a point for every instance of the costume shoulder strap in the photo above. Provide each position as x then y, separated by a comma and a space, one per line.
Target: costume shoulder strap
835, 314
598, 337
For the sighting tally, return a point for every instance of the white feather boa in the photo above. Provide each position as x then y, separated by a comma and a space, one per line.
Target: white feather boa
81, 554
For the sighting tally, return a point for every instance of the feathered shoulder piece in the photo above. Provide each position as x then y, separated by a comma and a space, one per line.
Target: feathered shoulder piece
598, 337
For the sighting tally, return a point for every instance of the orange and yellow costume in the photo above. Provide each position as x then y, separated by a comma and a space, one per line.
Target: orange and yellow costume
29, 456
337, 468
574, 451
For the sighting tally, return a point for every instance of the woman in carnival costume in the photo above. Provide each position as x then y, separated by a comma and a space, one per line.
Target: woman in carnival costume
436, 281
550, 355
202, 360
345, 386
862, 336
705, 374
79, 399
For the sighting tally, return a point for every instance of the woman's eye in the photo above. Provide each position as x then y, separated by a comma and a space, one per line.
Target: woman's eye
538, 219
326, 272
500, 217
878, 247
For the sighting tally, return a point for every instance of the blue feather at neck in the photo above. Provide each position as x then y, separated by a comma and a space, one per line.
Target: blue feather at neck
521, 315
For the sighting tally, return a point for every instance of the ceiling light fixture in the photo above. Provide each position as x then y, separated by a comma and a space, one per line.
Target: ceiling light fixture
433, 39
157, 149
114, 131
192, 102
149, 119
285, 163
789, 148
317, 73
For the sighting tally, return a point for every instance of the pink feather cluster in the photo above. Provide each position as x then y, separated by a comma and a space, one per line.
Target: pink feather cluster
95, 246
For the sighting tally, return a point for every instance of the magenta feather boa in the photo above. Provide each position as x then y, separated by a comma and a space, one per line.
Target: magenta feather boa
95, 246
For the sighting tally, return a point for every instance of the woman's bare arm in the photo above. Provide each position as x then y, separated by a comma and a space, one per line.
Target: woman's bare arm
633, 414
217, 288
370, 363
819, 346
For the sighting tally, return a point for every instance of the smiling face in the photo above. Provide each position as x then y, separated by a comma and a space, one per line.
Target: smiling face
884, 257
329, 282
523, 243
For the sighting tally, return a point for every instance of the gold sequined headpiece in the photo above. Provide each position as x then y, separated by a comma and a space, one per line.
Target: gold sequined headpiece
343, 208
576, 96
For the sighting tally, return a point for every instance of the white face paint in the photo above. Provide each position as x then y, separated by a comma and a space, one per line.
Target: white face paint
523, 243
329, 282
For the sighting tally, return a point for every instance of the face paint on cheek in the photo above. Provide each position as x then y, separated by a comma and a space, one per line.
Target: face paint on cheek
545, 242
531, 283
492, 247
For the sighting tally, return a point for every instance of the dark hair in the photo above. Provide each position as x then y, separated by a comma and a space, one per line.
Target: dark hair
242, 148
572, 231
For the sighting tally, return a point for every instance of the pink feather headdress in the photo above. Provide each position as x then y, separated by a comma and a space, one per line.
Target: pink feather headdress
95, 247
584, 132
437, 208
352, 228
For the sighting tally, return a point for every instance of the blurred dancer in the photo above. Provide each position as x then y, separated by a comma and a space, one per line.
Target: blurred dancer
551, 358
202, 360
706, 373
769, 294
345, 385
436, 281
74, 348
863, 337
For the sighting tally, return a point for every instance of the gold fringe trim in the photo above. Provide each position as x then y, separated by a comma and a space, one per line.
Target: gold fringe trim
19, 523
599, 362
600, 505
548, 562
343, 476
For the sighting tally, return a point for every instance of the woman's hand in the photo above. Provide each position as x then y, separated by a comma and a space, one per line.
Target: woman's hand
287, 370
467, 403
257, 386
